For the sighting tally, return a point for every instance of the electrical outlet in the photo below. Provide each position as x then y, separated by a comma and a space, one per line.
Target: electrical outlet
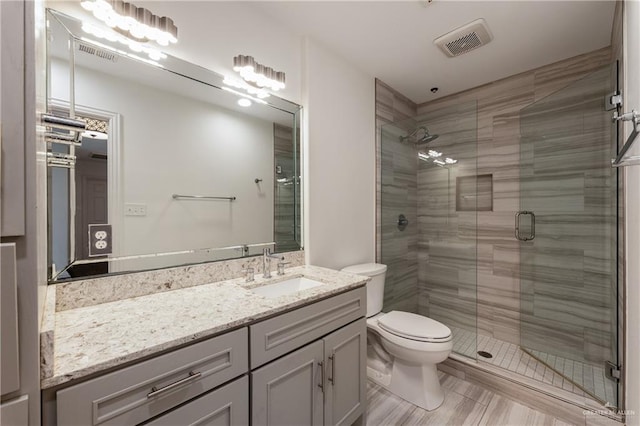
131, 209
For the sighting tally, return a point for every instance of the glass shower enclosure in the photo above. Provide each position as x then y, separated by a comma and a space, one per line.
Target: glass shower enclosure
567, 233
512, 242
429, 198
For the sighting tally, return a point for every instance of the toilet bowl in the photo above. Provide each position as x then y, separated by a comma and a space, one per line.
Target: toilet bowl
403, 348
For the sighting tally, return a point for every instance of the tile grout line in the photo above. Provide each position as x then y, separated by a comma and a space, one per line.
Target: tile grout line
486, 407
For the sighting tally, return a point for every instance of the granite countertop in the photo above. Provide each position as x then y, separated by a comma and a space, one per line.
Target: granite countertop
91, 339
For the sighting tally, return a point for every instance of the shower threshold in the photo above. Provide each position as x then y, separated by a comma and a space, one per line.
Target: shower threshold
585, 381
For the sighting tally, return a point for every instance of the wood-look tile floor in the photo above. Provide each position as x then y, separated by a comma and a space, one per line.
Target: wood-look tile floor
512, 358
464, 404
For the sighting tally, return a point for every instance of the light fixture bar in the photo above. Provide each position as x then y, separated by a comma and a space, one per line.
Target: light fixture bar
137, 22
258, 74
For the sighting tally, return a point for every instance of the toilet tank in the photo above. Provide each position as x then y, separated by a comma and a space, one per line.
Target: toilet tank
375, 287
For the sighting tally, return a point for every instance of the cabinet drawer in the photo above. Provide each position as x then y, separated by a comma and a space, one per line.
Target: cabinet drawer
277, 336
137, 393
227, 406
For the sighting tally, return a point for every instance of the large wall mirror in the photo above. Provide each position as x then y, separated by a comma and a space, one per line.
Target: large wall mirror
171, 170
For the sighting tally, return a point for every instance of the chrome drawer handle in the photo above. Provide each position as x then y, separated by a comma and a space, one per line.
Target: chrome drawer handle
192, 376
321, 384
333, 369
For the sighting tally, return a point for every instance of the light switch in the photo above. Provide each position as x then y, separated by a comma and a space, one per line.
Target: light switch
131, 209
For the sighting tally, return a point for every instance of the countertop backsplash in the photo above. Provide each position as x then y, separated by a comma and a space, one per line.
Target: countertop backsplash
89, 292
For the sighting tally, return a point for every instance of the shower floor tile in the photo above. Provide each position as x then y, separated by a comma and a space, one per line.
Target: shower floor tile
585, 379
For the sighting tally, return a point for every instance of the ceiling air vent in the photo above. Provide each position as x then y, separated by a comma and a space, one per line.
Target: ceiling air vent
464, 39
100, 53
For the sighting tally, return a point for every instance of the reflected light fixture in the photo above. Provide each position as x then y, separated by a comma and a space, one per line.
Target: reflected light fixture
240, 84
244, 102
433, 155
153, 54
258, 74
137, 22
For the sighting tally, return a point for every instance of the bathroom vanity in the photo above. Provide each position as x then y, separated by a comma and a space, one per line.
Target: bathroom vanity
228, 355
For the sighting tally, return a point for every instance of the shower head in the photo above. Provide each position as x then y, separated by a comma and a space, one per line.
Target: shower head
426, 137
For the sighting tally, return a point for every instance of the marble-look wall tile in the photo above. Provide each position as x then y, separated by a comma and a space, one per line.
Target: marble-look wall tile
396, 182
285, 212
551, 78
565, 183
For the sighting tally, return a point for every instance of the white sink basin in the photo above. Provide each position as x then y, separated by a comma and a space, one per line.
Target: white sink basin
283, 288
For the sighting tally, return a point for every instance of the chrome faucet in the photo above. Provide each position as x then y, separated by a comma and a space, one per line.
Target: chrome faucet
266, 261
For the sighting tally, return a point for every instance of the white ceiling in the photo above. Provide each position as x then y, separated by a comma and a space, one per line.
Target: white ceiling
390, 40
393, 40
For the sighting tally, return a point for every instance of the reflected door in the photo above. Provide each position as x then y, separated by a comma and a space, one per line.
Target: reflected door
567, 233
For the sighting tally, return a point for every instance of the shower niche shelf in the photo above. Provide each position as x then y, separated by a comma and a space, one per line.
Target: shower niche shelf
474, 193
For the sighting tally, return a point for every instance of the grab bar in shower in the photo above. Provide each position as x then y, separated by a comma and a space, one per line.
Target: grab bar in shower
200, 197
634, 117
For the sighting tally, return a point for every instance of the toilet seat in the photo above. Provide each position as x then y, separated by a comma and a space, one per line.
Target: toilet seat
414, 327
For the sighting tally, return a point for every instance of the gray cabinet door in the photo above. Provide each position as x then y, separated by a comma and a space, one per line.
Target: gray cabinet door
345, 361
12, 110
227, 406
9, 358
287, 392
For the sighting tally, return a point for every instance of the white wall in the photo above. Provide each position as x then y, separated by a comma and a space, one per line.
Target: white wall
339, 153
632, 214
174, 144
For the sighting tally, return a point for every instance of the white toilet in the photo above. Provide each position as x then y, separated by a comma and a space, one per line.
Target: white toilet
403, 348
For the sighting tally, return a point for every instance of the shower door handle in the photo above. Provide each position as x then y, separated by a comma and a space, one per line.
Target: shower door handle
532, 232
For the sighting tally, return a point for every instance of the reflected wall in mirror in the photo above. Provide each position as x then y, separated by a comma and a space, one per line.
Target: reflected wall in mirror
173, 164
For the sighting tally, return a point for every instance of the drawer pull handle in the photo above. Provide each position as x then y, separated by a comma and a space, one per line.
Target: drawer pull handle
321, 384
331, 379
192, 376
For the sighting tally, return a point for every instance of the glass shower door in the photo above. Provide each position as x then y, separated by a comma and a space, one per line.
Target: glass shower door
428, 219
567, 232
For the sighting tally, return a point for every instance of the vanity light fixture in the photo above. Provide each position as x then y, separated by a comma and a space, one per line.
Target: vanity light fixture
258, 74
153, 54
138, 22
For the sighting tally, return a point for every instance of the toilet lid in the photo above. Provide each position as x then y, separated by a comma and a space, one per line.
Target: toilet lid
413, 326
